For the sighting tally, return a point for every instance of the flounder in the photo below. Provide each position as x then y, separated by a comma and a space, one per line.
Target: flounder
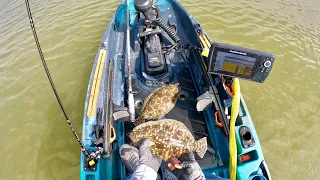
159, 103
170, 137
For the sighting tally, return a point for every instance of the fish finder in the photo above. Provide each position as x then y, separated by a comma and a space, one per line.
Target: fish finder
239, 62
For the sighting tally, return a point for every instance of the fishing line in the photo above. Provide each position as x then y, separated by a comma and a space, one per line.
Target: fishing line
33, 28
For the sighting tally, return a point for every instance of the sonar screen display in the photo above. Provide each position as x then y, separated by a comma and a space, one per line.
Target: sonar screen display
234, 63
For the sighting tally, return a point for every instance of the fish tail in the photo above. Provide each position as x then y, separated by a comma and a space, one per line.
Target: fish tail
201, 146
139, 120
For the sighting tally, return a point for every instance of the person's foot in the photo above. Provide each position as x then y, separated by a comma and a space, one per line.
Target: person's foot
130, 157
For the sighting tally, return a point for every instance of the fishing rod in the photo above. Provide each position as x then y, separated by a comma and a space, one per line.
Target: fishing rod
130, 93
92, 155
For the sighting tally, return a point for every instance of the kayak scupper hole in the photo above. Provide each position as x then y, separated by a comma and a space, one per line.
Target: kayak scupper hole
182, 97
247, 136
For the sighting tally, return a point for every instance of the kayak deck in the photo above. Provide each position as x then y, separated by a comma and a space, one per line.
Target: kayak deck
185, 112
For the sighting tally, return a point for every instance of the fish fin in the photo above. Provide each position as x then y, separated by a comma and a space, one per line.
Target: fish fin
149, 97
131, 138
201, 146
146, 101
139, 120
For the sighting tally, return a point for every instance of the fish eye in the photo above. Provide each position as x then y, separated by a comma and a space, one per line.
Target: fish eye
182, 97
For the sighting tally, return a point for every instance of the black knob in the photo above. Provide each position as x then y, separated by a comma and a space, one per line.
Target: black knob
267, 64
142, 5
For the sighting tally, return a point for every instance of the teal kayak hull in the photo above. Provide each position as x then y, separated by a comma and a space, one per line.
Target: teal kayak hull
186, 70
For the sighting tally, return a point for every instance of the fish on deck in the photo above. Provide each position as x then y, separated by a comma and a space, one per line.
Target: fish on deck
171, 138
159, 103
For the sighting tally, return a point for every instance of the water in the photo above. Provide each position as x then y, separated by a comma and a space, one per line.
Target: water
35, 141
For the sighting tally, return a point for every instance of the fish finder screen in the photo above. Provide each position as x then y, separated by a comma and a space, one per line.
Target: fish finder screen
234, 63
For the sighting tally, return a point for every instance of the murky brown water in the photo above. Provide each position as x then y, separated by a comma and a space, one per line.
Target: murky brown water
35, 141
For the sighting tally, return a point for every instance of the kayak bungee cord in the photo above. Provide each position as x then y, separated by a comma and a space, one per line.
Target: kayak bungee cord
93, 156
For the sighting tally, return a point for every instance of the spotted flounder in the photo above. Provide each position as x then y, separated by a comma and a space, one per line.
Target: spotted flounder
170, 137
159, 103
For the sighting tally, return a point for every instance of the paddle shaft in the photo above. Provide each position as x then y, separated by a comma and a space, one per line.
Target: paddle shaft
33, 28
108, 112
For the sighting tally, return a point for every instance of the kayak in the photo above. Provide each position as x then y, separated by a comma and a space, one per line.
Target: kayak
136, 56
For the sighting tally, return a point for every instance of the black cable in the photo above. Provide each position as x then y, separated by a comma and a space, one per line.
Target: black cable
33, 28
170, 31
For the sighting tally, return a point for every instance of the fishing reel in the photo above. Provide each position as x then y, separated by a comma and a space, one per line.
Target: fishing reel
91, 159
